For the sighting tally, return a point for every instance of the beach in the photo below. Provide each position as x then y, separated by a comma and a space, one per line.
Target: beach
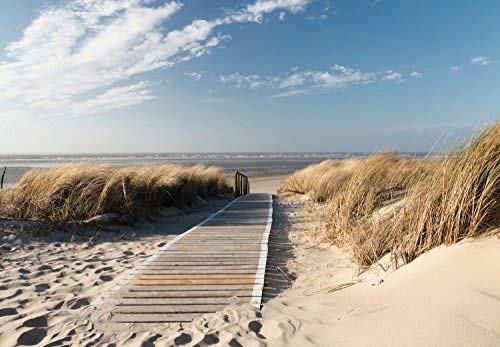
57, 284
48, 284
258, 173
445, 297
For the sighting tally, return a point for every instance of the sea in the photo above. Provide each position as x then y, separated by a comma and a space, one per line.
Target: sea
251, 164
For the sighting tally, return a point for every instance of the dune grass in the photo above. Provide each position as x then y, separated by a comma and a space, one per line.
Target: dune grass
383, 203
460, 199
78, 192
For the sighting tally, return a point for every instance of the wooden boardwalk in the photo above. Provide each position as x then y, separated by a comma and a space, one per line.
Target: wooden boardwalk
218, 262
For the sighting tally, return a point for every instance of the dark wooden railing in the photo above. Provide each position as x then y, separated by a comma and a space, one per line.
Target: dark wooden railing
3, 175
241, 185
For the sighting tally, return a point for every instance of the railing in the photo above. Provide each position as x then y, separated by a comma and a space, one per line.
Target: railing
241, 185
3, 175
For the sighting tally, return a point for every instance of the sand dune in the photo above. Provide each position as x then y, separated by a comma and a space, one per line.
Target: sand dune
448, 296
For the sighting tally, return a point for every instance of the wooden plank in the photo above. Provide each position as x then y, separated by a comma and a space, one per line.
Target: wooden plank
199, 262
208, 259
154, 318
204, 253
194, 271
162, 301
253, 268
201, 308
211, 242
214, 247
213, 256
190, 294
180, 282
194, 276
193, 287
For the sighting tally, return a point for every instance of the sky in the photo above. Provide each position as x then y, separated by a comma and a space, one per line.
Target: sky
246, 76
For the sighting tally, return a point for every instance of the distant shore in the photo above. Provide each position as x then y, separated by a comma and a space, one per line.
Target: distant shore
251, 164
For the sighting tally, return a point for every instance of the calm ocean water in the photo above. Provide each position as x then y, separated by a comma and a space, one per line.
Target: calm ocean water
252, 164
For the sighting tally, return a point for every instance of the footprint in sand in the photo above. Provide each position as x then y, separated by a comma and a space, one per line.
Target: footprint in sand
75, 304
182, 339
61, 342
24, 271
106, 268
106, 278
37, 322
41, 287
255, 326
234, 343
44, 267
9, 311
151, 341
58, 305
210, 339
32, 337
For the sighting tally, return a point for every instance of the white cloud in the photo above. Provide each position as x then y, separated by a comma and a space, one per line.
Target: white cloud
454, 69
340, 76
256, 11
292, 81
392, 75
115, 99
416, 74
297, 82
89, 47
481, 61
239, 80
196, 75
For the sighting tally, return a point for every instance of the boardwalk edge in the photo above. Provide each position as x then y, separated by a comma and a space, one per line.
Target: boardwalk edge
259, 278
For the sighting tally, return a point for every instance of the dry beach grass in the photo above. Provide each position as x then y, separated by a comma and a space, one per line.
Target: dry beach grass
79, 192
384, 203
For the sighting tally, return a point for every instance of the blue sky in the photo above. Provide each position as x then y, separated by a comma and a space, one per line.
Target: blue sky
264, 75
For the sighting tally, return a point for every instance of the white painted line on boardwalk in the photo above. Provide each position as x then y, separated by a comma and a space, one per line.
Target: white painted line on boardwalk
142, 266
259, 277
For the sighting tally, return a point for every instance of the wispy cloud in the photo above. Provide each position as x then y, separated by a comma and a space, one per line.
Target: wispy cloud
196, 75
115, 99
239, 80
79, 56
298, 82
321, 14
256, 11
454, 69
392, 75
416, 74
481, 61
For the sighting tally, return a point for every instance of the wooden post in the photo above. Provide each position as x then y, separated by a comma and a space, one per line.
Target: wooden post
3, 175
237, 185
241, 184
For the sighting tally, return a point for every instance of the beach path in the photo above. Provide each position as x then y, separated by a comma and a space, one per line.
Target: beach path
220, 261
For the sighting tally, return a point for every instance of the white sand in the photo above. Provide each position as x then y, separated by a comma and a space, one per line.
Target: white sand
266, 184
449, 296
48, 284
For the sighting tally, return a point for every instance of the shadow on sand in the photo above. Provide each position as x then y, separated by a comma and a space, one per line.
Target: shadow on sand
278, 278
